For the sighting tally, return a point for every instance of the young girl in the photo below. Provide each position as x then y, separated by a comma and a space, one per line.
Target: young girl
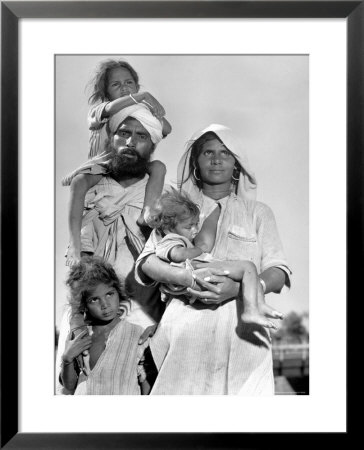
175, 240
115, 363
115, 87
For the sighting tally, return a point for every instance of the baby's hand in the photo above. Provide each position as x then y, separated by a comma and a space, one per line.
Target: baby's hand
73, 256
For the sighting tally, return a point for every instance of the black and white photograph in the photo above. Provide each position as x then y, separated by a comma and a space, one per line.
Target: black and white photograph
181, 200
182, 224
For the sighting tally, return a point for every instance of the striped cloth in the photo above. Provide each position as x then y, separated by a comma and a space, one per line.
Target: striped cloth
119, 369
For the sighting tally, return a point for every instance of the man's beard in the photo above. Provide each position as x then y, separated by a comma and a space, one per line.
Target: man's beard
121, 165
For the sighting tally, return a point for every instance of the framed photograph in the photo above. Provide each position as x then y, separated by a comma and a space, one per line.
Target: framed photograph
287, 76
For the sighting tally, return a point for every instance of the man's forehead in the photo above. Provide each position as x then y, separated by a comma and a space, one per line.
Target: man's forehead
131, 123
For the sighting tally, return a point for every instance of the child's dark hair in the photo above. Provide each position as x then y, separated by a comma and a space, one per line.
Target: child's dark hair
99, 82
172, 207
85, 276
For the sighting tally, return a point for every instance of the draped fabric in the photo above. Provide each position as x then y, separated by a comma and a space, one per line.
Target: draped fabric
110, 203
109, 230
206, 349
119, 369
247, 182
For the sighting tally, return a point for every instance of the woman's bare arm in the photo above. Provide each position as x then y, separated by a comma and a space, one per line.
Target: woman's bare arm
274, 279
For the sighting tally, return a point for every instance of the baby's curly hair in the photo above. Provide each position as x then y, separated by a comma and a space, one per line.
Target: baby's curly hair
172, 207
85, 276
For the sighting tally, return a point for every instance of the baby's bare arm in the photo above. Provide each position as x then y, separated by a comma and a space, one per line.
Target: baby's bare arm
179, 254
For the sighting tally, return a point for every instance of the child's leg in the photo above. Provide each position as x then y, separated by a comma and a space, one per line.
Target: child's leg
153, 190
252, 311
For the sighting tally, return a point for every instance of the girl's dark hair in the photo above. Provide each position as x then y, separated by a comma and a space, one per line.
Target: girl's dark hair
85, 276
172, 207
196, 150
98, 84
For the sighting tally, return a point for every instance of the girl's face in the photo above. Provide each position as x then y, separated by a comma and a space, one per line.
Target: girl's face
103, 303
187, 228
216, 163
120, 83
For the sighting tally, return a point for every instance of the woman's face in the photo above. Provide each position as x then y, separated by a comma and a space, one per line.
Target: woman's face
103, 303
216, 163
120, 83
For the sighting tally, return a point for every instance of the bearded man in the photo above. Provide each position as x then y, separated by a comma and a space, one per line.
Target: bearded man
113, 205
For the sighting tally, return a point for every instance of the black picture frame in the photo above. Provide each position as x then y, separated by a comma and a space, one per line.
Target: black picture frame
11, 12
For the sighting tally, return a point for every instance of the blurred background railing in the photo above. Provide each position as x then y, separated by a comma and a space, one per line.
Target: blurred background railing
291, 355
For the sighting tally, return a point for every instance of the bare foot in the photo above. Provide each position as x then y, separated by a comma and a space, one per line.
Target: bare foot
259, 316
257, 319
268, 311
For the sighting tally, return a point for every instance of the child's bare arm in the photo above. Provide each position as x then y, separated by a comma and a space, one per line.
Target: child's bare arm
79, 187
157, 172
205, 239
179, 254
117, 105
139, 97
73, 349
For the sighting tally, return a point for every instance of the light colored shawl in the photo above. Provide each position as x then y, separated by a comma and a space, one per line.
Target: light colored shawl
247, 182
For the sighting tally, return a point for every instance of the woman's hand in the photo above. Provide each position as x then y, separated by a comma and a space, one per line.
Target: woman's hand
74, 347
209, 273
218, 289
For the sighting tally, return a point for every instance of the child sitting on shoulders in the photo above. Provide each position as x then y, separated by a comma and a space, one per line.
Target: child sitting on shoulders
115, 87
115, 363
176, 239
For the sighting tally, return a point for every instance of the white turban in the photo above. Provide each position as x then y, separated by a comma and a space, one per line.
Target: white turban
143, 115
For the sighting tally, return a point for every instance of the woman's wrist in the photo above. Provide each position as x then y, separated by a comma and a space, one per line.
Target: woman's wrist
188, 279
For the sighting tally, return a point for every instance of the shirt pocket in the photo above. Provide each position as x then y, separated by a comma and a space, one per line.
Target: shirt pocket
241, 245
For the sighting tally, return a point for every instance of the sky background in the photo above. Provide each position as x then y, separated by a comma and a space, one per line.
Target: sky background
263, 98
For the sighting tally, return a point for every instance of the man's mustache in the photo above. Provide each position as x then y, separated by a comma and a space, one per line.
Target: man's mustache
126, 151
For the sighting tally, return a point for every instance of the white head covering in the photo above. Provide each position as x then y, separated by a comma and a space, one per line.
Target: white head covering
247, 187
143, 115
